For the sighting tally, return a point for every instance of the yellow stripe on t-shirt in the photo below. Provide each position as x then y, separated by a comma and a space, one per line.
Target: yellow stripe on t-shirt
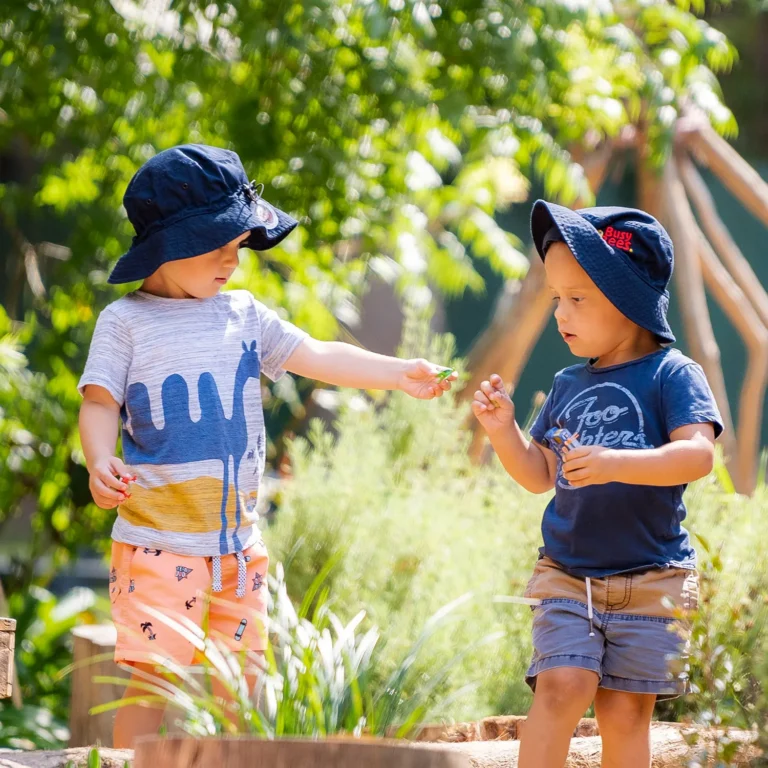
192, 506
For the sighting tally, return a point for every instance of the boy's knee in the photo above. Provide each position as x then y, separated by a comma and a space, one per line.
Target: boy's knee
621, 712
566, 688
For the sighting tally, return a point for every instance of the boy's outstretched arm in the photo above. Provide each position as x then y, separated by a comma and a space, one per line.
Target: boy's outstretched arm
530, 464
688, 457
345, 365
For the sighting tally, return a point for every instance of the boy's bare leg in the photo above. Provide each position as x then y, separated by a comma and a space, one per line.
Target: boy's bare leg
220, 690
562, 696
624, 720
136, 720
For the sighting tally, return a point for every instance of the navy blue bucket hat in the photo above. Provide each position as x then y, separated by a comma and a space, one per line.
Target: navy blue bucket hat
190, 200
626, 252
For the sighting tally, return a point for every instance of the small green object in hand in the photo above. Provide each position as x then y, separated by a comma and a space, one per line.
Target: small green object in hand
443, 375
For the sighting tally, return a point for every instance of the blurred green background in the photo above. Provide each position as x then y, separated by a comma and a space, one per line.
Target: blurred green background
409, 138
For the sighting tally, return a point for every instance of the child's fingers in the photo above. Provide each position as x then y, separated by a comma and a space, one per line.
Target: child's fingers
498, 383
482, 398
110, 481
478, 408
103, 502
577, 476
119, 468
487, 389
104, 489
573, 454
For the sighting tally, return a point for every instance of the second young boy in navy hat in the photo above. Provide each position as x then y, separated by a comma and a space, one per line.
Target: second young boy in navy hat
644, 422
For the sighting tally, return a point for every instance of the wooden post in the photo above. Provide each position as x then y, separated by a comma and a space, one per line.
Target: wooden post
92, 640
293, 753
721, 239
7, 645
730, 167
693, 300
749, 322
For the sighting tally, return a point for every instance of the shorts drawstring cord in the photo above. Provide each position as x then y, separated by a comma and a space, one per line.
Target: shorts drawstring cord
240, 591
217, 585
589, 607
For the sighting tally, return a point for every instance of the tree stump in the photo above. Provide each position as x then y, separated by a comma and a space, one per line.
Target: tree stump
293, 753
7, 644
92, 641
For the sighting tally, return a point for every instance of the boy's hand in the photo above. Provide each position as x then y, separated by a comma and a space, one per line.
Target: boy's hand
492, 405
590, 465
107, 490
420, 380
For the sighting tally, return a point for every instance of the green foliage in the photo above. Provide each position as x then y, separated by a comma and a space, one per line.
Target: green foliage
319, 677
395, 131
43, 649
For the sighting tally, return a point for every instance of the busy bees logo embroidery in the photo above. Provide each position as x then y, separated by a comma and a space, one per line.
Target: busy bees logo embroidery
617, 239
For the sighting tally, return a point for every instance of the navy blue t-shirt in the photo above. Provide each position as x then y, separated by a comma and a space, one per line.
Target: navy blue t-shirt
616, 527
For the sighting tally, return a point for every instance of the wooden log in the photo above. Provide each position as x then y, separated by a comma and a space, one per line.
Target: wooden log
670, 750
693, 301
730, 167
246, 752
65, 758
720, 238
743, 316
496, 728
90, 641
669, 747
523, 312
7, 645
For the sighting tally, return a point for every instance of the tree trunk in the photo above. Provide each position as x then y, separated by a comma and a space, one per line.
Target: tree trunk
730, 167
490, 743
693, 300
94, 646
721, 239
7, 645
751, 327
294, 753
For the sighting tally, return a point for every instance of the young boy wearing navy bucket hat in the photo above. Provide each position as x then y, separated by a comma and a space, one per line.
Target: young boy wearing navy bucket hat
179, 362
643, 424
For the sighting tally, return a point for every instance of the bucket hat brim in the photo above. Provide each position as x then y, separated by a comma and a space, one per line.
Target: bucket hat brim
201, 232
610, 270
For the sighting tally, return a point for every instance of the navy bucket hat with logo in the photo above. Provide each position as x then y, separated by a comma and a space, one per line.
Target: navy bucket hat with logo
626, 252
190, 200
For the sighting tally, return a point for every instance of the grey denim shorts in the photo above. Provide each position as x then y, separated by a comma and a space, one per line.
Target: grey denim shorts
618, 627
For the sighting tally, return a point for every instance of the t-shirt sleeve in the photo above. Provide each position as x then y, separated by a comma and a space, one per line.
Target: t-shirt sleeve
279, 340
688, 399
109, 357
543, 422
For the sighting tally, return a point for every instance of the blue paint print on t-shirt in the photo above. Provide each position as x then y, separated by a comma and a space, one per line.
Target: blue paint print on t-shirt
616, 527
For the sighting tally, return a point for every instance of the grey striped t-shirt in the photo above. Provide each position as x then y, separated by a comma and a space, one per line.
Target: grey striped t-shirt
186, 375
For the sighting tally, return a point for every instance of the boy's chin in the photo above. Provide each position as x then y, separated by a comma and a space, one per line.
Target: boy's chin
579, 349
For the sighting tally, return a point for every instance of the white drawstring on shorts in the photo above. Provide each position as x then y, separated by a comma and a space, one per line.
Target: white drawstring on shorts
589, 607
241, 575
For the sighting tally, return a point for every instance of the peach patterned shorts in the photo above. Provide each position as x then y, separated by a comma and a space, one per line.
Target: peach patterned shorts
181, 586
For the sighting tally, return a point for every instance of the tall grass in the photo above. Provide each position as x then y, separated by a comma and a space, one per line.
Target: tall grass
318, 677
